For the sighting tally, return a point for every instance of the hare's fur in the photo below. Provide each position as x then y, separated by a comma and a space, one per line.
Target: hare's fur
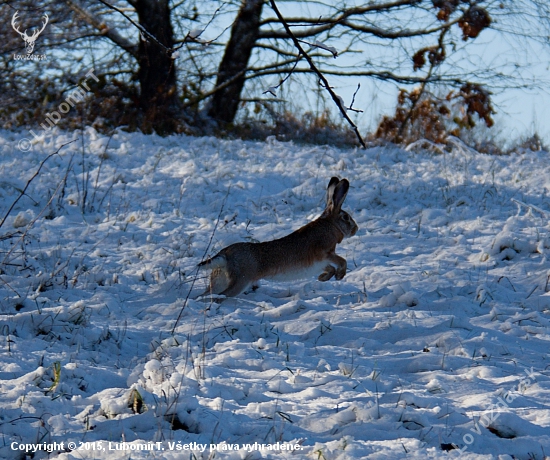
308, 251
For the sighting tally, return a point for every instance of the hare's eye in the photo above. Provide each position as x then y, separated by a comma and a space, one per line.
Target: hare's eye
346, 217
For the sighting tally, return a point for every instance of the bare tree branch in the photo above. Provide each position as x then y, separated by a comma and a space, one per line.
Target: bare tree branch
381, 75
105, 30
346, 13
375, 31
214, 90
343, 20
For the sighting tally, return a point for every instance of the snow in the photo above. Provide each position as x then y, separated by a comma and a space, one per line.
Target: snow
434, 345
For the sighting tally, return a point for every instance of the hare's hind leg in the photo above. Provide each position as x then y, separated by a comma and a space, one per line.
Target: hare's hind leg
236, 286
219, 281
222, 283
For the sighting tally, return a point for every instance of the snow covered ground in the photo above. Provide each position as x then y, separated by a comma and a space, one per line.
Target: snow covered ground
435, 344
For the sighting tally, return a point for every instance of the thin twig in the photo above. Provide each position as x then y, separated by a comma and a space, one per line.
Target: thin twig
202, 96
142, 29
31, 179
202, 258
337, 100
272, 89
353, 100
32, 222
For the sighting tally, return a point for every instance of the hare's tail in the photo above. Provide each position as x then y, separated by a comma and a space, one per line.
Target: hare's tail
218, 261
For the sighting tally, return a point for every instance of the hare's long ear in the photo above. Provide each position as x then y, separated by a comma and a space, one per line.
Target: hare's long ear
330, 190
340, 193
336, 194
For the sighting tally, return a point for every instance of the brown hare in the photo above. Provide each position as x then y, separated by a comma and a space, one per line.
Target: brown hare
308, 251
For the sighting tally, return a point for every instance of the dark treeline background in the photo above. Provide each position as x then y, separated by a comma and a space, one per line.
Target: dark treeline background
221, 66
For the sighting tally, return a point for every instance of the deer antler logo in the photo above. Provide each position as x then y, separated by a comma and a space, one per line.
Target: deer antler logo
29, 41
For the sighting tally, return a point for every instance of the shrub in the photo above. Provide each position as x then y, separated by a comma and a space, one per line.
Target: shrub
422, 115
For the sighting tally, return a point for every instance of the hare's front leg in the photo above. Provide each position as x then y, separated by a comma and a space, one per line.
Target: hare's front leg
327, 274
330, 270
341, 265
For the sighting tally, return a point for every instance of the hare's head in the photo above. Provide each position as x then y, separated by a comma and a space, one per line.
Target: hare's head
336, 194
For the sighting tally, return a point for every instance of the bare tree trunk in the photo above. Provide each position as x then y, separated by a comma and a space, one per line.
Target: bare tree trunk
157, 73
244, 33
